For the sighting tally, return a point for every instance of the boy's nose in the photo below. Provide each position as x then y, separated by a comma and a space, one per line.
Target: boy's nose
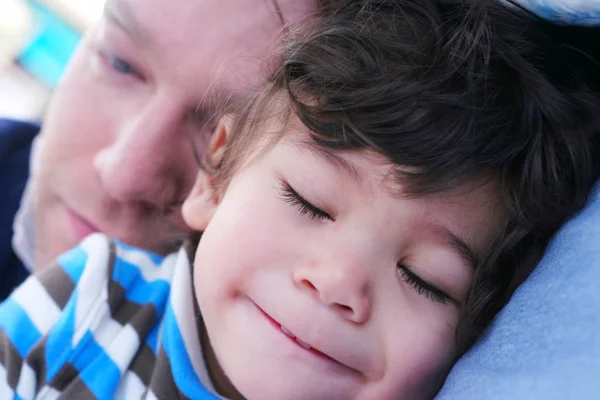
342, 285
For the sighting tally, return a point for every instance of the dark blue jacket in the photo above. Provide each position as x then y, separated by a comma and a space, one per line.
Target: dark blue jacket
15, 148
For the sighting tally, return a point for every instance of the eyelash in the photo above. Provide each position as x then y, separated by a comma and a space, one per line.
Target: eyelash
422, 287
303, 206
119, 65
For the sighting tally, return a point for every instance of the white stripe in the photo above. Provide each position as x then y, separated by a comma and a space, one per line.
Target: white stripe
38, 304
131, 387
106, 331
183, 307
48, 393
151, 396
92, 289
27, 382
124, 347
5, 390
148, 268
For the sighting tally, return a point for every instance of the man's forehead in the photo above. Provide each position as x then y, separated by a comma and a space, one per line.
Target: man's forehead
245, 12
221, 41
294, 11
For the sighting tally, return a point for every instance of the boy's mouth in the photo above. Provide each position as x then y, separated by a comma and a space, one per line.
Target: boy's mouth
291, 335
305, 346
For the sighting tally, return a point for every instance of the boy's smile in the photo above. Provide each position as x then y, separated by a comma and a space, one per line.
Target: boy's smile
319, 282
305, 346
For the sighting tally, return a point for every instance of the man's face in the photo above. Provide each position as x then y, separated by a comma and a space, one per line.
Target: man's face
116, 154
316, 280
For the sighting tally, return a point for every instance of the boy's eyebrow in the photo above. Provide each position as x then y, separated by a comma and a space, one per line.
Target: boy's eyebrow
461, 246
119, 13
334, 160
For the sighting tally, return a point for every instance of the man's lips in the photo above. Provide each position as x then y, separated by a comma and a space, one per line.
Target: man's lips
301, 344
81, 226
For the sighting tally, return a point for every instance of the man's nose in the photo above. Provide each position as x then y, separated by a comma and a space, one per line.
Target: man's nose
149, 159
341, 284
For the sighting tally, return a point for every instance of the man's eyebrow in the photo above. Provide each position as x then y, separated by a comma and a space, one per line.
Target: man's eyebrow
119, 13
334, 160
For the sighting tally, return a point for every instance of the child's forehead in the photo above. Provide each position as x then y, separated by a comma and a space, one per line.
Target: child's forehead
372, 177
365, 166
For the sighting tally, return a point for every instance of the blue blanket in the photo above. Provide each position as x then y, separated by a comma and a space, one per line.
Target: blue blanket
545, 344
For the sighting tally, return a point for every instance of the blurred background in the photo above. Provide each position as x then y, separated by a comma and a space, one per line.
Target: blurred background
37, 37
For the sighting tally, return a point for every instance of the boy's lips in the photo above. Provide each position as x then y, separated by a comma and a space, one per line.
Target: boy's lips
304, 345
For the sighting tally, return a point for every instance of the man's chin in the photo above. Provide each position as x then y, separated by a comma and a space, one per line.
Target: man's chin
46, 254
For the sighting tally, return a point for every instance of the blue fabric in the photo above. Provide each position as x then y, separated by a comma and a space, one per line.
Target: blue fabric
15, 148
576, 12
91, 335
545, 344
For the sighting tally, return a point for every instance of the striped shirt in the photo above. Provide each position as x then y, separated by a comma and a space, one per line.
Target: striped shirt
107, 321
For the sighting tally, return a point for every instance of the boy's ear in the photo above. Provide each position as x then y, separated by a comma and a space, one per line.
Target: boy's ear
203, 200
219, 141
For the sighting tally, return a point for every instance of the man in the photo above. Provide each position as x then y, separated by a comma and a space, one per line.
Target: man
115, 150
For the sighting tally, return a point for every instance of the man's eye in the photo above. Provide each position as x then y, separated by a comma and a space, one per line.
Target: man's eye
289, 195
118, 64
121, 66
422, 287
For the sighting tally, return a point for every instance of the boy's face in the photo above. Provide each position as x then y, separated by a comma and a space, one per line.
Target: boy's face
342, 269
116, 154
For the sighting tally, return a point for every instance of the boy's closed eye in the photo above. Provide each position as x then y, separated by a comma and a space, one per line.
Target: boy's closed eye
290, 195
305, 207
422, 286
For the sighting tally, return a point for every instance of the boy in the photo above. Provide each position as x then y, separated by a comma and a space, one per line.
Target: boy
365, 217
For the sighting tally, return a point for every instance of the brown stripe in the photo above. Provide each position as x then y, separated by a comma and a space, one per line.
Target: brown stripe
121, 309
141, 317
77, 390
57, 283
143, 364
144, 321
10, 359
36, 359
65, 376
162, 383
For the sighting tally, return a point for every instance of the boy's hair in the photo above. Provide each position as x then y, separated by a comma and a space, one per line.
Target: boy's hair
459, 91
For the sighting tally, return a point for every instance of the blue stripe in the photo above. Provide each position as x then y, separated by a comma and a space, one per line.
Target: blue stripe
181, 366
73, 262
86, 352
156, 293
137, 289
17, 325
102, 376
60, 339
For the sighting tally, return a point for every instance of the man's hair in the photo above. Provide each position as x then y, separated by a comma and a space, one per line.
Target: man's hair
458, 91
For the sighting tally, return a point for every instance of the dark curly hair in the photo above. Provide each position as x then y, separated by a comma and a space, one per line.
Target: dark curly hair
458, 90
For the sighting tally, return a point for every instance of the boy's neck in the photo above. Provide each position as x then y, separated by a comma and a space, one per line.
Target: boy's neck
221, 383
